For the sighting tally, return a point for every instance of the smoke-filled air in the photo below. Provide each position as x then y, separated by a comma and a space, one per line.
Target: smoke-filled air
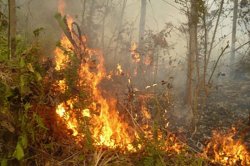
125, 82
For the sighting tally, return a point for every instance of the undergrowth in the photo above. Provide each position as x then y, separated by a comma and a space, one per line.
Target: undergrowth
32, 134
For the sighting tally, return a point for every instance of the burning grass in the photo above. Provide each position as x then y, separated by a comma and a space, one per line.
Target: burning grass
226, 149
106, 126
107, 129
84, 126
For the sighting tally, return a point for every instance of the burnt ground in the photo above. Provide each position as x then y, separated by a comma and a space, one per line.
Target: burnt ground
228, 106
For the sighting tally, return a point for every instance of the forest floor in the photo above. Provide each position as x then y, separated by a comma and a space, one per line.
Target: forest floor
228, 106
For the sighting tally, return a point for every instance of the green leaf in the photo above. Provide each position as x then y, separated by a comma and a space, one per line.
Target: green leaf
22, 81
19, 153
39, 122
24, 140
81, 157
27, 106
22, 84
30, 67
4, 162
22, 62
38, 76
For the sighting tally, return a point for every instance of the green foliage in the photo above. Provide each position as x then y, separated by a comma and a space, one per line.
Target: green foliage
3, 46
39, 122
20, 87
19, 152
4, 162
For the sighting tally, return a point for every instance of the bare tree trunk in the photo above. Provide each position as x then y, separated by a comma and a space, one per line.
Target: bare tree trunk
120, 28
90, 23
205, 50
214, 34
12, 28
235, 16
83, 13
103, 25
193, 79
142, 22
193, 21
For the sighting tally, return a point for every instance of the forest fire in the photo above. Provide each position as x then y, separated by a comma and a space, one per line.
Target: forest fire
105, 124
107, 127
116, 85
135, 55
226, 150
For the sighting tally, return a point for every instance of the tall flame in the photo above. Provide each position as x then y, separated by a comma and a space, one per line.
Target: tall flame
106, 126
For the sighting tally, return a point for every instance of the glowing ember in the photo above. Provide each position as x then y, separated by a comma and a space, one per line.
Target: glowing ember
145, 113
60, 110
135, 55
86, 113
224, 149
119, 69
62, 85
71, 122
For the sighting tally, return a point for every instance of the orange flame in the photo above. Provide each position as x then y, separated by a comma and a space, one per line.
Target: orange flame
135, 55
60, 58
71, 122
224, 149
119, 69
105, 124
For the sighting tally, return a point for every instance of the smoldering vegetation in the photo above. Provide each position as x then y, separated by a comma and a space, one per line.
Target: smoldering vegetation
124, 82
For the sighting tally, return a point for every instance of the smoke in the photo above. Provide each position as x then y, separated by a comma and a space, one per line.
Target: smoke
100, 21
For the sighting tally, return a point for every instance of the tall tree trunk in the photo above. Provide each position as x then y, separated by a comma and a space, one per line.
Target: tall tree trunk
90, 23
193, 21
120, 28
12, 28
204, 19
103, 24
142, 22
83, 13
214, 34
235, 16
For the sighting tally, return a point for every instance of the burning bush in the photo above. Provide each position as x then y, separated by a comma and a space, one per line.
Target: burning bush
227, 150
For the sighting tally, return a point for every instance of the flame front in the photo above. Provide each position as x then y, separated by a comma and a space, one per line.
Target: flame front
103, 120
108, 129
224, 149
106, 126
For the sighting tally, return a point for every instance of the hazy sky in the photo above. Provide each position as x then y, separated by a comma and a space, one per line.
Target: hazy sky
40, 13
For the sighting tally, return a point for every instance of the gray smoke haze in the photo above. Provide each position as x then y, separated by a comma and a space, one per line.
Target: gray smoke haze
33, 14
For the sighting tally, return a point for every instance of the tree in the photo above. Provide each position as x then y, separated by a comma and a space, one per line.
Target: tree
193, 51
12, 28
142, 22
119, 27
234, 30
